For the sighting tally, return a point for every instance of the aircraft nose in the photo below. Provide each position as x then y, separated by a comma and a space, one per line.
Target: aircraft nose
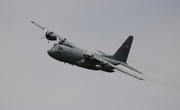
50, 52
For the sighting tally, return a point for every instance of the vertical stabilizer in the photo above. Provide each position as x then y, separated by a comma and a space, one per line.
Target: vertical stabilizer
122, 53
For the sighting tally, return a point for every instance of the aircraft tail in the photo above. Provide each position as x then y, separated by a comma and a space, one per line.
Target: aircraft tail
122, 53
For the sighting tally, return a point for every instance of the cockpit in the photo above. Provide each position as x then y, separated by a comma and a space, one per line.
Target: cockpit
58, 48
56, 44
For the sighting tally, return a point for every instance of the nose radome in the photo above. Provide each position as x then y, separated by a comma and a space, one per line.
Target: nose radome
49, 52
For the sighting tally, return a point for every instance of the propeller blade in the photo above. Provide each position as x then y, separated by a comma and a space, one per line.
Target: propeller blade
58, 39
43, 37
87, 56
45, 30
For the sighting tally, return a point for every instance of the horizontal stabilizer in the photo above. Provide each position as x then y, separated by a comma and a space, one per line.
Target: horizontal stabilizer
102, 52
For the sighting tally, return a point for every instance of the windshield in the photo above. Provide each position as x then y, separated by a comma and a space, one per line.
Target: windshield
56, 44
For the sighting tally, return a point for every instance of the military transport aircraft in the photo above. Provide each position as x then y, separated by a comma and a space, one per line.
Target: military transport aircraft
67, 52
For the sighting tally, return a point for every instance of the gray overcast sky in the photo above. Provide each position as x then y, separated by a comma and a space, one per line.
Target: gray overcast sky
31, 80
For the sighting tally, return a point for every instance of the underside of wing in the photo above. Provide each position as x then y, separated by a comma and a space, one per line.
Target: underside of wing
115, 67
128, 66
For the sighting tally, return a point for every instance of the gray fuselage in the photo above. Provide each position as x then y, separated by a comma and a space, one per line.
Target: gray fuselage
76, 56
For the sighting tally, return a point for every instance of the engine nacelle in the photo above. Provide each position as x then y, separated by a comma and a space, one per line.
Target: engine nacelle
104, 68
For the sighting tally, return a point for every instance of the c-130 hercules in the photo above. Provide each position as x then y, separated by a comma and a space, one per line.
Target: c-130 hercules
67, 52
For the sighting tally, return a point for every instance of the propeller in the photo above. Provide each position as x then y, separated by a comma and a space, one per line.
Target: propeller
102, 64
47, 34
87, 56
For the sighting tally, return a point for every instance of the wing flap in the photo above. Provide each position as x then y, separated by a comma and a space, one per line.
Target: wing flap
130, 67
102, 52
115, 67
124, 71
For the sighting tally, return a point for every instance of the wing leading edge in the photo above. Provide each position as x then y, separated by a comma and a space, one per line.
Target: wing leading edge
50, 35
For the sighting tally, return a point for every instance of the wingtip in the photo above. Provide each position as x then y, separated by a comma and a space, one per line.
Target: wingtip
140, 72
141, 79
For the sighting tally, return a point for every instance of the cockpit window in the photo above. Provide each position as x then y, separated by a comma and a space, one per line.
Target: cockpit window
56, 45
60, 48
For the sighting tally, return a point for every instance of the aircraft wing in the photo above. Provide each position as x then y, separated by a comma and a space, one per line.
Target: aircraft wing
115, 67
47, 31
50, 35
128, 66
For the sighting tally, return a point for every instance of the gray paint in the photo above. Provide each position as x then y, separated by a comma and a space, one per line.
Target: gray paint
67, 52
30, 79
